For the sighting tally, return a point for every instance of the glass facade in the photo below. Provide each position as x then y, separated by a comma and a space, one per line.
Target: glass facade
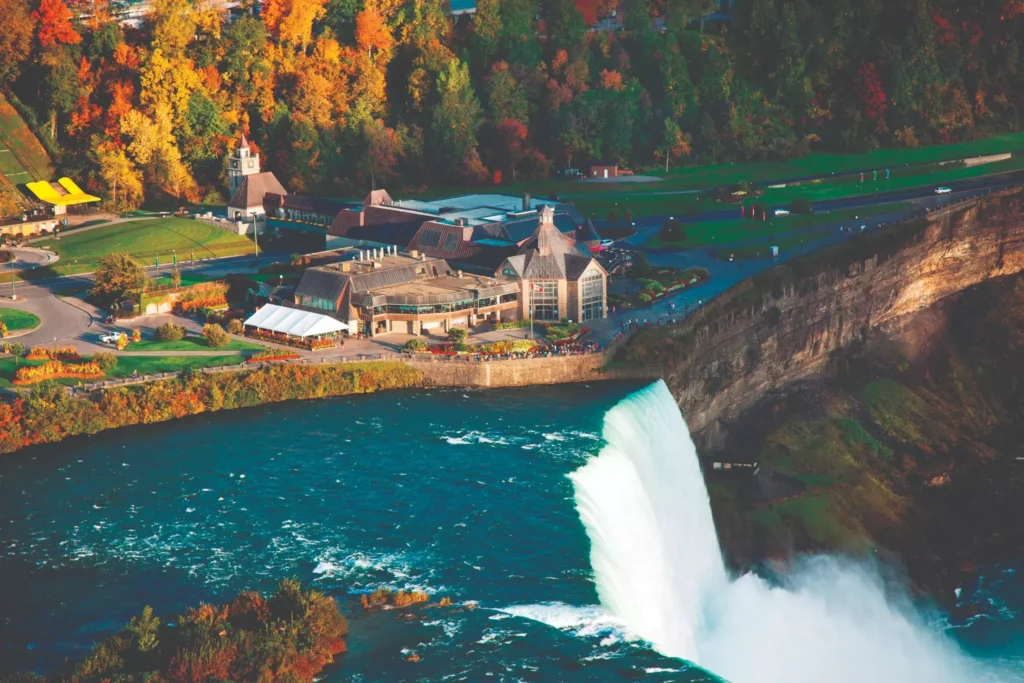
315, 302
592, 295
544, 299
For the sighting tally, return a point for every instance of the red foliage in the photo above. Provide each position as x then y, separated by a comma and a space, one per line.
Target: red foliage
55, 27
869, 89
943, 29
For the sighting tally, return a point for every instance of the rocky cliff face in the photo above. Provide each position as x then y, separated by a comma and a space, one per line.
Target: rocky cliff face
789, 324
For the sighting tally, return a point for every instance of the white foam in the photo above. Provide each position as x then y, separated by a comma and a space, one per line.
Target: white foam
580, 620
658, 569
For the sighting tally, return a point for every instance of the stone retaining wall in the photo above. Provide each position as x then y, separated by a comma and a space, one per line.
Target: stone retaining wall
525, 371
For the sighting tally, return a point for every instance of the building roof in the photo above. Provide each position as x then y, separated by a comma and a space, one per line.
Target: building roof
586, 232
254, 188
463, 6
550, 254
294, 322
304, 202
65, 192
243, 143
321, 283
604, 162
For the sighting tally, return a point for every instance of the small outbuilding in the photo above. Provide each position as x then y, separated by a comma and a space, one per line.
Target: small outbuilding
604, 169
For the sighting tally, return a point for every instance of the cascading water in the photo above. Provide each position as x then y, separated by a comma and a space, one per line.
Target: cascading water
658, 568
653, 545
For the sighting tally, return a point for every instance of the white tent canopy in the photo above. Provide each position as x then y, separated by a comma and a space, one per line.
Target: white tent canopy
293, 322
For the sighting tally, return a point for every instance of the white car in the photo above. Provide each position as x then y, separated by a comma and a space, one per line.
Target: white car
607, 243
781, 212
110, 337
943, 190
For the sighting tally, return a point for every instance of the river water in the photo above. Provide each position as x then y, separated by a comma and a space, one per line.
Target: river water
463, 494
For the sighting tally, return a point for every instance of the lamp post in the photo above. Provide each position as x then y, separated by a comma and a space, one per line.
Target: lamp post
256, 239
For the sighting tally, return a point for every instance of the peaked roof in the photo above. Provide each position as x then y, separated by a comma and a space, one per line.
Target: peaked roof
243, 143
252, 190
549, 254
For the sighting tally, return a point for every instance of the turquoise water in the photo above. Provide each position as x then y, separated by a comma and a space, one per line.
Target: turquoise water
459, 493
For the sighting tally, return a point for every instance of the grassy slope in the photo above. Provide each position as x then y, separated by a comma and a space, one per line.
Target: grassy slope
145, 240
17, 319
23, 140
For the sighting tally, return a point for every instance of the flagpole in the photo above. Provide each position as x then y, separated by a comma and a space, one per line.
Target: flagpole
530, 311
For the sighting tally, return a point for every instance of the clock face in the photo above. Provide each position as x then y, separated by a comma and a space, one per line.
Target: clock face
250, 163
234, 164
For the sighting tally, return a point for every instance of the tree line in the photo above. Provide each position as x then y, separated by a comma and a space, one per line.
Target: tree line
340, 95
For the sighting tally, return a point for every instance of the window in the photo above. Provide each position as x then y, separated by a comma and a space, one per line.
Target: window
509, 271
544, 299
451, 242
592, 291
317, 302
430, 238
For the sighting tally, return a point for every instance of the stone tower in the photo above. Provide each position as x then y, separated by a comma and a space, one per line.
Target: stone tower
242, 163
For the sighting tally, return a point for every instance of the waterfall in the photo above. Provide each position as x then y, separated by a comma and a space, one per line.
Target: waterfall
658, 568
653, 545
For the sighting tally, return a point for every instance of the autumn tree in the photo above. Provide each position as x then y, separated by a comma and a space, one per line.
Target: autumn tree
674, 143
55, 26
15, 38
117, 277
122, 178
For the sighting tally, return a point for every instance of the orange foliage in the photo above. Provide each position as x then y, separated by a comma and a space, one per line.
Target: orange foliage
126, 57
52, 353
122, 92
372, 33
55, 27
611, 80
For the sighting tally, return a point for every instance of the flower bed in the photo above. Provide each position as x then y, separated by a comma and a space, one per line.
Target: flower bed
53, 353
30, 374
210, 301
515, 324
308, 344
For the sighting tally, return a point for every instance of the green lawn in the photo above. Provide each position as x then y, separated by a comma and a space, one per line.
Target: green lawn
933, 176
761, 250
17, 319
150, 365
187, 280
145, 240
595, 199
741, 229
8, 367
192, 343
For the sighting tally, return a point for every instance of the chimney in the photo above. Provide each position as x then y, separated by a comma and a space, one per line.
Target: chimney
414, 253
362, 255
526, 201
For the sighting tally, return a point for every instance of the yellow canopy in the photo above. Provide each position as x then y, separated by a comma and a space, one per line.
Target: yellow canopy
46, 192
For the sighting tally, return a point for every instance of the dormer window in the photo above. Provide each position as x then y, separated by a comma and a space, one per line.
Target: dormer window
509, 272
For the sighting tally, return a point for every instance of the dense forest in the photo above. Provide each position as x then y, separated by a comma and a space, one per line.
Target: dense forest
337, 94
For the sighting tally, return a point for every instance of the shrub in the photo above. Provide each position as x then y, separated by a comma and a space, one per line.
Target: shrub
272, 354
136, 335
458, 334
644, 298
55, 369
672, 231
414, 345
106, 360
801, 205
52, 353
235, 326
170, 332
215, 335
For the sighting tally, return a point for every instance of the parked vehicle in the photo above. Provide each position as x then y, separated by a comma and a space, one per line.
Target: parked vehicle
943, 190
110, 337
781, 212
